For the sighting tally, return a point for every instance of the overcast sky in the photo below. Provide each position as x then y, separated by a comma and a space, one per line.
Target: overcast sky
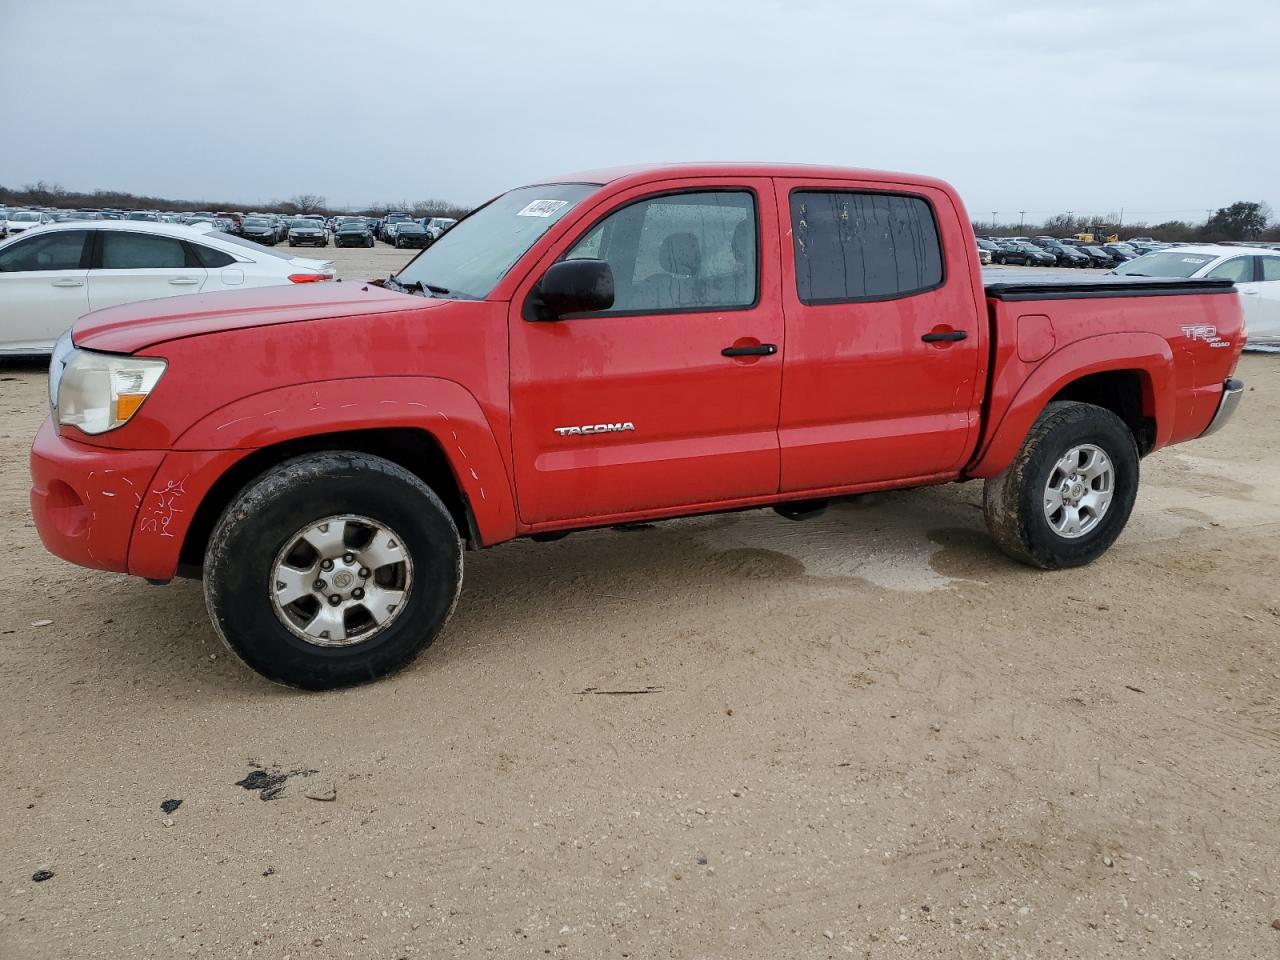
1165, 107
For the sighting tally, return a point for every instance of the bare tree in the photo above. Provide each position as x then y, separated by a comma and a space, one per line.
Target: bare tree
308, 202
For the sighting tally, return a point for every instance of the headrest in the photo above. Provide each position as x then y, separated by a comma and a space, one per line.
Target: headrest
680, 254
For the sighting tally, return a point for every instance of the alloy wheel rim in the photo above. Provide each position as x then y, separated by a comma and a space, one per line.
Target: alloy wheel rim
341, 581
1079, 491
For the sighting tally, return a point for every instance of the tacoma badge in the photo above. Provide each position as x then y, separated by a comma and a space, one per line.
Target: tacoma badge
595, 428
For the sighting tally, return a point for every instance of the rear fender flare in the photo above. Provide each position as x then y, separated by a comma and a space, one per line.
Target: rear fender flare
1147, 353
443, 408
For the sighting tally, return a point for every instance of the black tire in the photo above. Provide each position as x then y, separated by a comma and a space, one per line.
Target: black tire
1013, 501
267, 514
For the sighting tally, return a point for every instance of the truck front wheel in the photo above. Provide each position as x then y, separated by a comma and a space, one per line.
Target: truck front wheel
1069, 491
332, 569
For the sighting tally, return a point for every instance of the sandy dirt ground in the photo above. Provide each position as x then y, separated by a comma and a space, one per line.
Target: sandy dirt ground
864, 735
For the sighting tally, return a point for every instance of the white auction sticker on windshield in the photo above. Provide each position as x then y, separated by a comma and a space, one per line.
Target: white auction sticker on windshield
1194, 260
542, 208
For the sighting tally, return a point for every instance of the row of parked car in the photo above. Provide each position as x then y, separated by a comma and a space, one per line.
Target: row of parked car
398, 229
1060, 251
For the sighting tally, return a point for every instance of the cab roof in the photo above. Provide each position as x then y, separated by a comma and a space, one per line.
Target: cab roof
645, 172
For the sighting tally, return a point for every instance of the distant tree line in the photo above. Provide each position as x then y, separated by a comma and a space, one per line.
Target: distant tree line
1242, 220
42, 194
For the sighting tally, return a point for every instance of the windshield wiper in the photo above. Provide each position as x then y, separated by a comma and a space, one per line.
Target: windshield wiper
418, 286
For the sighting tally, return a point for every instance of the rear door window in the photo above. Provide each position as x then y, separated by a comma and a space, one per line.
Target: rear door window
853, 246
141, 251
1270, 268
1239, 269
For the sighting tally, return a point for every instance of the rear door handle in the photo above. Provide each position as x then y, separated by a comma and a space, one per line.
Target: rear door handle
67, 283
179, 281
755, 350
944, 336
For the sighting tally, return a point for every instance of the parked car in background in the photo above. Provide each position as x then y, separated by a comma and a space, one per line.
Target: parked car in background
437, 226
21, 220
307, 231
353, 233
390, 220
411, 233
54, 275
149, 216
987, 247
1120, 252
260, 230
1098, 257
1255, 272
1063, 254
1025, 254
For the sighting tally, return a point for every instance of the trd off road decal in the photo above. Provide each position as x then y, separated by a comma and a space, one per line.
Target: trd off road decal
1206, 332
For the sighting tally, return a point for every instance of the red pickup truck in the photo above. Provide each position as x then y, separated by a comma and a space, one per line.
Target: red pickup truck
609, 347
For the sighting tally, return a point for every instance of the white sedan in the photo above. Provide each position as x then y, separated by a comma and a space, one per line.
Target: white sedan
20, 220
1255, 270
52, 276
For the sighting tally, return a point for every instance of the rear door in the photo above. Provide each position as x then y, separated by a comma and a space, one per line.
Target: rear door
640, 408
141, 266
1262, 301
885, 330
43, 288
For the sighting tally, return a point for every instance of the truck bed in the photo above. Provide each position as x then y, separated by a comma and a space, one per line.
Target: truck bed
1032, 285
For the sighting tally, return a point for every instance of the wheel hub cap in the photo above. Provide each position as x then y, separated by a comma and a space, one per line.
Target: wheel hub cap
1079, 490
341, 580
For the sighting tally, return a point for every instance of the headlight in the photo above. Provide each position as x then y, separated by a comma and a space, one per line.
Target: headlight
98, 392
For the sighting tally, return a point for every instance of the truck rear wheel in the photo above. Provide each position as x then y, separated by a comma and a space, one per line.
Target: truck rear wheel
332, 569
1069, 491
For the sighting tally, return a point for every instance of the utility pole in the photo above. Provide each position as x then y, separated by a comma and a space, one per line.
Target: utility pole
1120, 225
1022, 217
993, 220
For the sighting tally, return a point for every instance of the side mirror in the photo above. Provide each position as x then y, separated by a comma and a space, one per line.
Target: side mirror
573, 286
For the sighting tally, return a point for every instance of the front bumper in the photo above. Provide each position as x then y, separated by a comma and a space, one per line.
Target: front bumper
117, 509
85, 499
1232, 391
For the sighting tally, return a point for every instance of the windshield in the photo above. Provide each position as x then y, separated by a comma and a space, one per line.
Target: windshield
256, 222
473, 256
1166, 263
24, 216
304, 223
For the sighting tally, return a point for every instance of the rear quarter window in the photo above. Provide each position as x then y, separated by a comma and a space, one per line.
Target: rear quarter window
853, 246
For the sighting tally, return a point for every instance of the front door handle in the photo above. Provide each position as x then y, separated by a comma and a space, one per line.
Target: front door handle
752, 350
67, 283
942, 336
183, 281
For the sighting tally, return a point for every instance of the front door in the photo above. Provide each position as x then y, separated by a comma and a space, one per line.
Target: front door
670, 398
885, 333
42, 288
141, 266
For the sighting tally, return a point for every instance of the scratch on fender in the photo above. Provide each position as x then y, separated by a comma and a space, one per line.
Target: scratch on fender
231, 423
157, 516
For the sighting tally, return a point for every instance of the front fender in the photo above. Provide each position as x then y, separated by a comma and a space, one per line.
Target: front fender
1021, 390
441, 407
